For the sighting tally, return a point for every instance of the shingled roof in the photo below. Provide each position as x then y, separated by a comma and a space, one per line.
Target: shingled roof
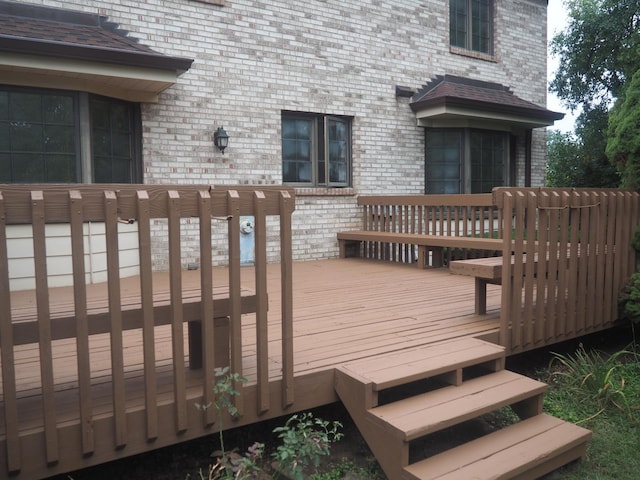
451, 91
52, 32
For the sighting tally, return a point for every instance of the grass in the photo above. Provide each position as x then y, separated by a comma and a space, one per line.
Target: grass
600, 392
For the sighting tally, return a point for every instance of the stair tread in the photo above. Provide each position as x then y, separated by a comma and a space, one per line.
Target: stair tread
425, 413
506, 453
397, 368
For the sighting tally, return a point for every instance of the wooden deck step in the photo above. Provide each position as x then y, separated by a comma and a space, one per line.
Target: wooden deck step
416, 416
525, 450
398, 368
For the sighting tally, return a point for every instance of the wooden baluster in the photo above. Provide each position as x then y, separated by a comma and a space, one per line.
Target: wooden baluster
115, 316
177, 315
286, 263
9, 392
82, 325
44, 325
148, 324
235, 317
262, 320
207, 316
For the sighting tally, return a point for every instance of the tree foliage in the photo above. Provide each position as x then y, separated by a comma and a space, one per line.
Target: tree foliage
598, 51
571, 163
623, 145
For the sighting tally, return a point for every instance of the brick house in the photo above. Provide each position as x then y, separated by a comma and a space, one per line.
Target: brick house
334, 98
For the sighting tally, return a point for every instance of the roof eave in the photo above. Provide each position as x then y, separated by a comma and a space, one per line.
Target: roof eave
537, 117
29, 46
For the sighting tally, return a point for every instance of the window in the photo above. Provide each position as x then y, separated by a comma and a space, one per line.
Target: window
465, 161
44, 135
471, 25
316, 149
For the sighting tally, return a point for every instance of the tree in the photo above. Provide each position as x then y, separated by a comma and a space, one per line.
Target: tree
599, 54
570, 163
598, 51
623, 144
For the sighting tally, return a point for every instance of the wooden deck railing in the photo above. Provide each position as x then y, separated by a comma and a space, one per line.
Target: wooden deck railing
44, 320
450, 215
572, 254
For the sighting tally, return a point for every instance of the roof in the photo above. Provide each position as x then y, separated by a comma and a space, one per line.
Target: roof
452, 93
70, 36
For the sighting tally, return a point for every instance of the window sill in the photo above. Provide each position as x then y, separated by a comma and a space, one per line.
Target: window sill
473, 54
325, 192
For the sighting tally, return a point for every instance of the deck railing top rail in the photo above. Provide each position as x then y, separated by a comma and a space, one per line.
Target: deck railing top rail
19, 198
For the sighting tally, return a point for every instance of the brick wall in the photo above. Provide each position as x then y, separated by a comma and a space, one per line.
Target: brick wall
254, 59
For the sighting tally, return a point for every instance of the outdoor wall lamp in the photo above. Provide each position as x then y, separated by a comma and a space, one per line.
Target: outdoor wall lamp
221, 139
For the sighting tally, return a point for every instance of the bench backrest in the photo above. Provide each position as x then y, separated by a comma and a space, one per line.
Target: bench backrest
451, 215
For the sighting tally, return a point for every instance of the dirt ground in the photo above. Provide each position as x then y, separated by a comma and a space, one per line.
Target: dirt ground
185, 461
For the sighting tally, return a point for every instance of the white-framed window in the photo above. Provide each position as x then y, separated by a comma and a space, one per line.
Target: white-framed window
471, 25
316, 149
56, 136
465, 160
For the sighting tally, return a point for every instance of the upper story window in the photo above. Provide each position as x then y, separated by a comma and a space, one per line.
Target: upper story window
316, 149
49, 136
465, 160
471, 26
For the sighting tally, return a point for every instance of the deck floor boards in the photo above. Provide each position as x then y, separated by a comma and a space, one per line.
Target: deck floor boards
344, 310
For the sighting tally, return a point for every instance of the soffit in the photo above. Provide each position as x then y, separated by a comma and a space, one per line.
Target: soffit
54, 48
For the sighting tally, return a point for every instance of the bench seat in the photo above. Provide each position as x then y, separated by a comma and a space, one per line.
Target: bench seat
483, 270
425, 243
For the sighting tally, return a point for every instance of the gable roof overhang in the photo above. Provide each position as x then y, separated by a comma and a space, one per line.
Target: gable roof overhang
53, 48
449, 101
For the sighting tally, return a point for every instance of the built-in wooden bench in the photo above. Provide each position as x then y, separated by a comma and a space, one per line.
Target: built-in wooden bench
484, 271
349, 242
63, 319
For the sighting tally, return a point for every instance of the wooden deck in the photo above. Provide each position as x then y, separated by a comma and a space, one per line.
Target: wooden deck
86, 382
344, 310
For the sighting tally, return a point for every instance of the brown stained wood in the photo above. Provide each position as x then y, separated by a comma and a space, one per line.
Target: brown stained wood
146, 301
207, 310
7, 359
44, 326
235, 330
345, 311
542, 293
262, 327
56, 196
287, 314
419, 239
115, 317
82, 325
533, 445
416, 416
177, 315
397, 368
531, 262
591, 313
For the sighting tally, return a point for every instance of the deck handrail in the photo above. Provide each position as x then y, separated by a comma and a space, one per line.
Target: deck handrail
472, 215
146, 205
586, 235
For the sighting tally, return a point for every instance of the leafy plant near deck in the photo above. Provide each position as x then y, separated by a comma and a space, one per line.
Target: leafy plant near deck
597, 377
230, 464
601, 392
305, 441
